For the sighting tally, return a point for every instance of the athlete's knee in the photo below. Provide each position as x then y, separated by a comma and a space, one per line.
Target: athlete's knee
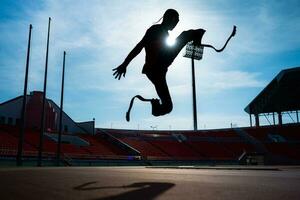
187, 34
192, 34
168, 107
156, 107
185, 37
161, 109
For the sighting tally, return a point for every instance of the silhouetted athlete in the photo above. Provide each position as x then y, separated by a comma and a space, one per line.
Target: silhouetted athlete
159, 57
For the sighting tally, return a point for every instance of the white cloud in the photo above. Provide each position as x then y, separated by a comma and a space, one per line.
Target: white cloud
224, 80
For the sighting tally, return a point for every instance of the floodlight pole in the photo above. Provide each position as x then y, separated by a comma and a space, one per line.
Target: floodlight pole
194, 51
194, 93
39, 163
61, 112
23, 113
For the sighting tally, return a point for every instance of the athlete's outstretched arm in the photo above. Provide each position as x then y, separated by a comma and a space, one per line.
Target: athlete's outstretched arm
121, 70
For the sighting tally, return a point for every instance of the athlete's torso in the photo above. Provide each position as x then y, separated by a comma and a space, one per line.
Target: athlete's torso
155, 47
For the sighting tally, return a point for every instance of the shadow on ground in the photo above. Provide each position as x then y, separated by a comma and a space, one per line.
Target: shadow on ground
144, 190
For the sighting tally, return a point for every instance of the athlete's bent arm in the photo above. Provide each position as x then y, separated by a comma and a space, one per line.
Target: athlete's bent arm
121, 70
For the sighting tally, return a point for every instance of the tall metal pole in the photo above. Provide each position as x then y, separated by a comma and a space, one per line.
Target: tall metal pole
194, 92
23, 112
194, 52
61, 112
44, 101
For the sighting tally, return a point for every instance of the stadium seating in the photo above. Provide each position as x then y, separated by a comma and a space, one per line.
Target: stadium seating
33, 138
72, 149
212, 150
7, 140
223, 144
144, 147
100, 146
226, 133
200, 145
292, 133
259, 133
237, 148
289, 148
10, 142
177, 150
191, 134
284, 149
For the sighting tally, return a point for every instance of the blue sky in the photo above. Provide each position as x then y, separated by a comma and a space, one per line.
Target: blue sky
98, 35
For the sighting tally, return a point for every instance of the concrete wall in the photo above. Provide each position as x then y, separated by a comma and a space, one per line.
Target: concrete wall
66, 121
11, 110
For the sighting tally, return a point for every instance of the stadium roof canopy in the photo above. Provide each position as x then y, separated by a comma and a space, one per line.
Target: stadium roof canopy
281, 94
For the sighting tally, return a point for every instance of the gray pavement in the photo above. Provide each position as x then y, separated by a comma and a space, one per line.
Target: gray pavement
101, 183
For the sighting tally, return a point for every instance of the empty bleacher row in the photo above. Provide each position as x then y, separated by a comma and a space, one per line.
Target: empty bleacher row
185, 145
205, 145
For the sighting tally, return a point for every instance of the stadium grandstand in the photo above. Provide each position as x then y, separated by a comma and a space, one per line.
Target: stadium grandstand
83, 144
280, 97
10, 114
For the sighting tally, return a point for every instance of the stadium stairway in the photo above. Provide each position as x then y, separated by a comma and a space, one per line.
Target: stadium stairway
120, 143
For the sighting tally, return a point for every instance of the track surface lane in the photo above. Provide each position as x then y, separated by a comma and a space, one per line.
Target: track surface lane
101, 183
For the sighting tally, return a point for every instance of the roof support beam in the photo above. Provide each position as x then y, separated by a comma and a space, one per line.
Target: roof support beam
256, 120
267, 118
279, 118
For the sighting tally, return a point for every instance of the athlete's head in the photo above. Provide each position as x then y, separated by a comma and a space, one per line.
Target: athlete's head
170, 19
